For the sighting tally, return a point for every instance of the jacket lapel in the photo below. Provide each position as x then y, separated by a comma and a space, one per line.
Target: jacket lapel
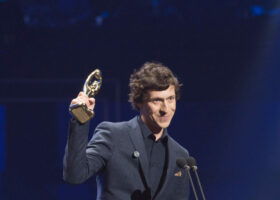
138, 142
170, 165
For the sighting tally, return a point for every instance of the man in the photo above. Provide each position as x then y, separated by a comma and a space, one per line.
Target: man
136, 159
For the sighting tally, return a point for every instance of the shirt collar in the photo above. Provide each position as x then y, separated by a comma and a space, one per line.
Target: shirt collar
146, 132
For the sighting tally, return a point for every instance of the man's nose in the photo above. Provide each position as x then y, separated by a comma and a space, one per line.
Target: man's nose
163, 106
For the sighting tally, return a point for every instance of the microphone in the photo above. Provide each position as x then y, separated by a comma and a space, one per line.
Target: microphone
192, 163
182, 163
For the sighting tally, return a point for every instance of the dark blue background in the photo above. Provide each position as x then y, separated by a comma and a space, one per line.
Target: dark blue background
226, 54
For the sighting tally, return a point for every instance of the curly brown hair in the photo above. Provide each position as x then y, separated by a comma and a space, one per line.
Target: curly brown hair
151, 76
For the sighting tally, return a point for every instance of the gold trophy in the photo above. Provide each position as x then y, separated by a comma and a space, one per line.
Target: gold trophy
91, 87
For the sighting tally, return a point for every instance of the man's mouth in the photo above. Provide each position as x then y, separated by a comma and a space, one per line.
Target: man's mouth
164, 117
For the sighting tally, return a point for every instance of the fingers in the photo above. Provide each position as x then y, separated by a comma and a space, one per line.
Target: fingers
82, 98
81, 94
91, 103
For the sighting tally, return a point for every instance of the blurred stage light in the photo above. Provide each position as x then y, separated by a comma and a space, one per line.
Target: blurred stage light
257, 10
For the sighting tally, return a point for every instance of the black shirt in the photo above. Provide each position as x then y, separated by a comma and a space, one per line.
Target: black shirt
157, 156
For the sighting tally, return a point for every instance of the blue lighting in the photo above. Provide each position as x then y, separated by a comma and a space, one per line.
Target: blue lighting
257, 10
275, 11
105, 14
155, 3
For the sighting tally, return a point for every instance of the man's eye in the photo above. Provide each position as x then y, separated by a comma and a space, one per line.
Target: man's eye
156, 100
171, 98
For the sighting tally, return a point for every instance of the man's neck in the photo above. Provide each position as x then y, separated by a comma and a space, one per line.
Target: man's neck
158, 135
157, 131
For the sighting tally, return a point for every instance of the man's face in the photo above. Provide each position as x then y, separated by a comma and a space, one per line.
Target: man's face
158, 109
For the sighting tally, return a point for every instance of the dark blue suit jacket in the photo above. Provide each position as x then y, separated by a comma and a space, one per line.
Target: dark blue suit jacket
120, 175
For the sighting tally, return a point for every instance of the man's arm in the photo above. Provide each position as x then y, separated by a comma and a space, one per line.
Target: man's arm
82, 160
75, 165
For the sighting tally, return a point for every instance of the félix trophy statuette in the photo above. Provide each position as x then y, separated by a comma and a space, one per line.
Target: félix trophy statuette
91, 87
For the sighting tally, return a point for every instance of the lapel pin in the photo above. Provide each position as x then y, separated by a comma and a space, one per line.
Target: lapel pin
136, 154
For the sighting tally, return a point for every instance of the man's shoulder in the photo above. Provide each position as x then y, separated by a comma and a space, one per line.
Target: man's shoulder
118, 125
177, 147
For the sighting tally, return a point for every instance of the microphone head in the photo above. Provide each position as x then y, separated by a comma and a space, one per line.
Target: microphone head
182, 163
191, 161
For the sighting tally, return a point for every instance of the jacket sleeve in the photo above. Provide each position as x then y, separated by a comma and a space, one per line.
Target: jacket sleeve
82, 159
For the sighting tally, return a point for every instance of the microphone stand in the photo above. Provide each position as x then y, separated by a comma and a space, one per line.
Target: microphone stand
191, 180
198, 181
